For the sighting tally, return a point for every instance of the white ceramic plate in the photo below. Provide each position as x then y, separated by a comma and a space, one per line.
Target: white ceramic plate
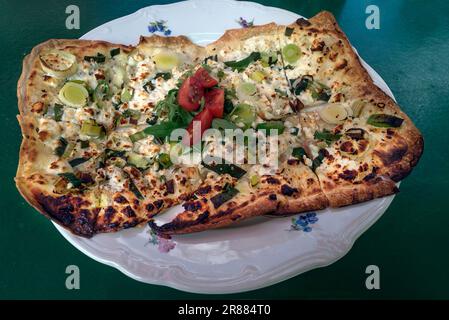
252, 254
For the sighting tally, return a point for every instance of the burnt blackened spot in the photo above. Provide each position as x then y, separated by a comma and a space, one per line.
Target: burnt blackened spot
391, 156
129, 224
293, 162
302, 22
109, 213
272, 180
272, 197
192, 206
348, 175
204, 190
170, 186
369, 177
158, 203
128, 211
149, 207
287, 190
120, 199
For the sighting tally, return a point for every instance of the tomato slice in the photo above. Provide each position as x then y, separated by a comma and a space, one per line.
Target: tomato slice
214, 102
204, 78
190, 94
205, 121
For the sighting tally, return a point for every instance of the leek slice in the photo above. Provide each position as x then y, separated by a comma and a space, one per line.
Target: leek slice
58, 63
166, 61
291, 53
73, 94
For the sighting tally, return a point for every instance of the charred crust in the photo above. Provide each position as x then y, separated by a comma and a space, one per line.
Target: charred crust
170, 186
302, 22
272, 180
348, 175
287, 190
120, 199
158, 203
272, 197
192, 206
204, 190
129, 212
67, 211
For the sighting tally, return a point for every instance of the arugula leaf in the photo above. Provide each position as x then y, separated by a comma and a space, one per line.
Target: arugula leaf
326, 136
241, 65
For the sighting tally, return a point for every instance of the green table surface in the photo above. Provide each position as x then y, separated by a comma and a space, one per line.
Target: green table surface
409, 243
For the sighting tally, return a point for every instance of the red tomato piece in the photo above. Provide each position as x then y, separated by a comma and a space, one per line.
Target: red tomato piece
214, 102
204, 118
204, 78
190, 94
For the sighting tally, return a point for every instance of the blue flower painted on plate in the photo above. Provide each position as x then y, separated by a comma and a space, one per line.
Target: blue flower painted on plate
303, 222
245, 23
164, 245
159, 26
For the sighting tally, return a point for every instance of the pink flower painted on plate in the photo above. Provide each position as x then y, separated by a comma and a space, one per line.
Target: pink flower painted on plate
245, 23
164, 245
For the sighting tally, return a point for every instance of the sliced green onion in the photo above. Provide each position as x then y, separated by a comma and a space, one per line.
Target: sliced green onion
101, 92
268, 58
138, 161
127, 94
291, 53
90, 128
99, 58
164, 160
243, 114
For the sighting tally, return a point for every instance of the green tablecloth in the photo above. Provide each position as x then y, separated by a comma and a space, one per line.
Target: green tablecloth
409, 243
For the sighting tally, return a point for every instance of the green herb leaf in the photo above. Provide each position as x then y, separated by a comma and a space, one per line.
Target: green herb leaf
288, 31
226, 195
299, 153
77, 161
114, 52
271, 125
326, 136
58, 112
384, 120
60, 149
99, 58
225, 168
244, 63
319, 159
